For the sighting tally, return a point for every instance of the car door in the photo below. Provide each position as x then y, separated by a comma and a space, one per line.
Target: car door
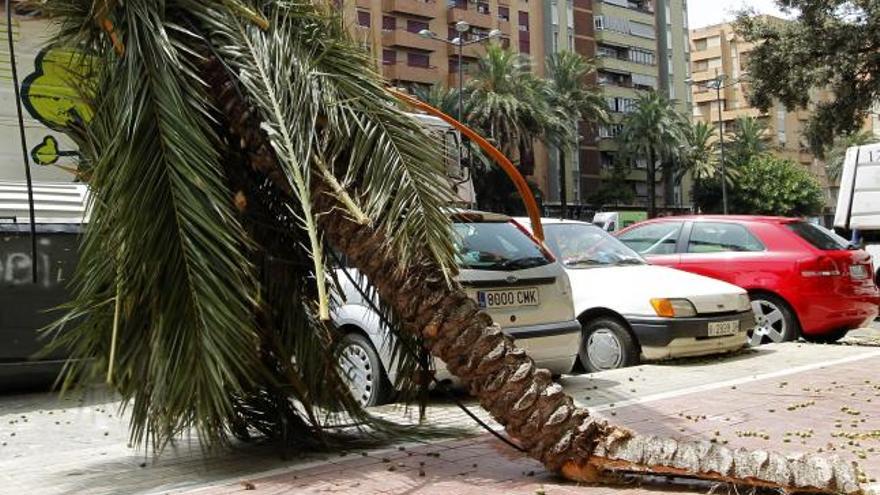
658, 242
726, 251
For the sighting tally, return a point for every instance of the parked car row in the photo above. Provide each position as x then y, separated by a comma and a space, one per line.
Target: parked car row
582, 300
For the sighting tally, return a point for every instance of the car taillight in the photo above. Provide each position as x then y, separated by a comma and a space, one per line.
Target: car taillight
822, 266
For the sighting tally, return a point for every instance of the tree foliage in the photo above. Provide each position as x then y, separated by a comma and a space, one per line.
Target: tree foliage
653, 132
766, 185
748, 139
203, 260
833, 46
837, 154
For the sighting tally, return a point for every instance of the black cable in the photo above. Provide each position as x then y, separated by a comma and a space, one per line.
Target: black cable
442, 386
27, 167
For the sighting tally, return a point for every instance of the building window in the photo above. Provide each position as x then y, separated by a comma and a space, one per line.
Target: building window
523, 21
483, 8
642, 30
504, 13
639, 56
364, 18
389, 57
415, 26
389, 23
459, 4
414, 59
599, 23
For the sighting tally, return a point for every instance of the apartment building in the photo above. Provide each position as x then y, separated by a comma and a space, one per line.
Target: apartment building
716, 51
641, 45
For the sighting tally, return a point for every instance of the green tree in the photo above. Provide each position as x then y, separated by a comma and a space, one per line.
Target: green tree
832, 46
576, 102
837, 154
653, 132
748, 139
229, 142
767, 185
439, 96
700, 156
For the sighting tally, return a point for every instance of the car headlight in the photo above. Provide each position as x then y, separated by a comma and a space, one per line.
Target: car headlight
743, 302
673, 308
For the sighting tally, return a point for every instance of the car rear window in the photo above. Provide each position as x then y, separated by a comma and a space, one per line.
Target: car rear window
817, 236
496, 246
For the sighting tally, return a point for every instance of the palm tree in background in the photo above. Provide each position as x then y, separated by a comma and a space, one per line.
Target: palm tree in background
700, 156
573, 98
653, 132
748, 139
507, 102
228, 145
438, 96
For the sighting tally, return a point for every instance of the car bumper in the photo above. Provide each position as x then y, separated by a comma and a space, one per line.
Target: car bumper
552, 346
822, 312
661, 338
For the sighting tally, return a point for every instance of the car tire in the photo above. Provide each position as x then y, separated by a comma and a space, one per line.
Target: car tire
775, 321
826, 338
362, 371
607, 344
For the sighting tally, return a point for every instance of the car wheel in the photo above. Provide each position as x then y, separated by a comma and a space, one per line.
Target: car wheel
774, 320
606, 344
828, 337
362, 371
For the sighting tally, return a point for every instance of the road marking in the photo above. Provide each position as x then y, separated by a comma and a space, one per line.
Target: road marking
730, 383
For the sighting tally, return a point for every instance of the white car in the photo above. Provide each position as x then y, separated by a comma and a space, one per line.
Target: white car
508, 273
630, 310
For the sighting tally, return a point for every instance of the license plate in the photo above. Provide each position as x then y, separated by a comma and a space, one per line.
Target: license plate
721, 328
508, 298
858, 272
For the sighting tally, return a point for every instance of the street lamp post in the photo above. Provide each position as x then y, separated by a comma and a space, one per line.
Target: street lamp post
718, 83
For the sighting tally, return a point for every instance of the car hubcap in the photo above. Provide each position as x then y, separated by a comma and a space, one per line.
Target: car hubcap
354, 362
604, 350
769, 323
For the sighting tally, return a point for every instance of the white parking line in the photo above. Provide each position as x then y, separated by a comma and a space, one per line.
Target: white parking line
733, 382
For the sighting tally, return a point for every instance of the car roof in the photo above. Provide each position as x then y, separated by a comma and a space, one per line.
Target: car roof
727, 218
527, 222
467, 215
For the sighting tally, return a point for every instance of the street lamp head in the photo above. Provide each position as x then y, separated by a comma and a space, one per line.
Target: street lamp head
495, 33
462, 26
427, 33
456, 41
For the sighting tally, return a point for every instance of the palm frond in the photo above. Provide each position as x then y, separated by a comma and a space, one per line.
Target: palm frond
164, 226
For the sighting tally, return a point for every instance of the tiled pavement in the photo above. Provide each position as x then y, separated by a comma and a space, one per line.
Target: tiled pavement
51, 446
833, 409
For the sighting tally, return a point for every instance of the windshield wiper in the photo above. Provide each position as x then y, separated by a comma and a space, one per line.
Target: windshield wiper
521, 263
584, 261
630, 261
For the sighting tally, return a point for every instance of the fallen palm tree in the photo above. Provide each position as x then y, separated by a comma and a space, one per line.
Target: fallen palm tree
227, 143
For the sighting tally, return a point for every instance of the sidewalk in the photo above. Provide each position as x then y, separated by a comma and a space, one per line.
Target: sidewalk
833, 408
54, 446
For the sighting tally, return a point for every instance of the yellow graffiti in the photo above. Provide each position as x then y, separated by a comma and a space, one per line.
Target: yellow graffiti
53, 92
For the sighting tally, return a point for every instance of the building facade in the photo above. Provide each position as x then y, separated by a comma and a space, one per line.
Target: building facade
716, 51
641, 45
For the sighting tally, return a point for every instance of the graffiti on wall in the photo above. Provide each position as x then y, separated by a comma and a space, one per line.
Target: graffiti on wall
54, 261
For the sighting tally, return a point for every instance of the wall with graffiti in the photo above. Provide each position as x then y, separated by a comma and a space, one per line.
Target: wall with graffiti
49, 101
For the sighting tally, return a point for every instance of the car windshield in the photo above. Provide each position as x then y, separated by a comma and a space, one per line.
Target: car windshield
585, 246
496, 246
818, 236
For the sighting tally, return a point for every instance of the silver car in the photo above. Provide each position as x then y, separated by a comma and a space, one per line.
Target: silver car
506, 271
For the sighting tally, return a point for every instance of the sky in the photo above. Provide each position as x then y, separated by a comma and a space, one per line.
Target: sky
707, 12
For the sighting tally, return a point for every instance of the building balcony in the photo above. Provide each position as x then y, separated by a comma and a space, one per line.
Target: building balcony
625, 65
404, 38
428, 9
703, 76
705, 96
410, 73
728, 115
470, 16
713, 52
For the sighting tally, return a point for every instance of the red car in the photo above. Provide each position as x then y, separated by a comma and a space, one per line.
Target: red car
803, 280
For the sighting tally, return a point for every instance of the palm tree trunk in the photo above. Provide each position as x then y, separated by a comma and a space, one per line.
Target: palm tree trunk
650, 179
668, 184
523, 398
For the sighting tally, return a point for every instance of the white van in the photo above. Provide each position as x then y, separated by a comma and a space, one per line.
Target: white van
858, 202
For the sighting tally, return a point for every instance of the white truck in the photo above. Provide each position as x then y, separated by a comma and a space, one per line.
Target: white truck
858, 202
